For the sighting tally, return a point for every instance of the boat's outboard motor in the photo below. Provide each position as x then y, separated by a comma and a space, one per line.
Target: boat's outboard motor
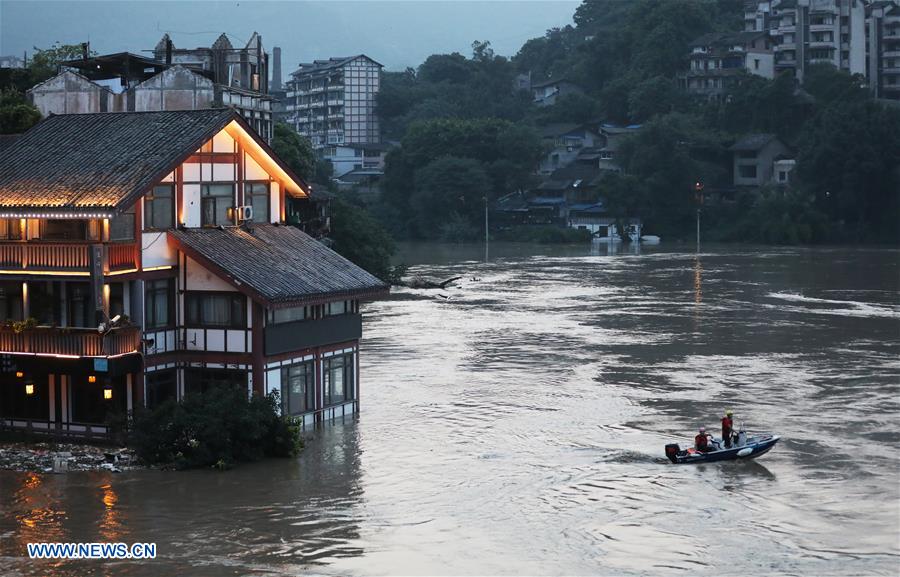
672, 451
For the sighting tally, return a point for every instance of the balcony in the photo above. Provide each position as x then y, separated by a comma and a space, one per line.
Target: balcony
70, 342
65, 257
298, 335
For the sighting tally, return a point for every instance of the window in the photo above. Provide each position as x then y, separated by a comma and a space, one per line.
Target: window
10, 229
161, 386
121, 226
747, 171
215, 201
756, 63
257, 196
202, 380
288, 315
159, 208
116, 299
44, 302
337, 377
338, 308
298, 393
216, 310
159, 304
782, 176
10, 301
65, 229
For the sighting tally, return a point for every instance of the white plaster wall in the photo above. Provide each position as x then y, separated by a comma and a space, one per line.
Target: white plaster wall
274, 202
253, 171
222, 142
191, 201
156, 250
199, 278
236, 342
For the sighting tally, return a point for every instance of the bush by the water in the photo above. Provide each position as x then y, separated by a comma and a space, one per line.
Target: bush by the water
215, 429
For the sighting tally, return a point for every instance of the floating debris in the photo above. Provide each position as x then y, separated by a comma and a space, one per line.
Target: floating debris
65, 457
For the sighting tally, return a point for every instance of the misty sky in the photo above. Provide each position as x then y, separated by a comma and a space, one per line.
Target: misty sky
396, 33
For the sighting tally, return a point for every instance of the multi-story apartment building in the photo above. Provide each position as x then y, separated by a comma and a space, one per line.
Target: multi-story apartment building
716, 59
806, 32
883, 49
144, 256
173, 79
332, 103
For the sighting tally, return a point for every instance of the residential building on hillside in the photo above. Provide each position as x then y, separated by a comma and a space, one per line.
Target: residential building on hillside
883, 49
173, 79
332, 103
716, 59
546, 93
564, 142
805, 32
754, 159
146, 257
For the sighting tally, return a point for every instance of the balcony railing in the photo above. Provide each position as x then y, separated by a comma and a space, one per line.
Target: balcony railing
64, 257
76, 342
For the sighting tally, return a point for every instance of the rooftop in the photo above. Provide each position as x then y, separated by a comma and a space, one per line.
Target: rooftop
317, 66
277, 265
105, 161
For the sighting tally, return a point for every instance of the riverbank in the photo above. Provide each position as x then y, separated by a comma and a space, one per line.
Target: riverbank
65, 457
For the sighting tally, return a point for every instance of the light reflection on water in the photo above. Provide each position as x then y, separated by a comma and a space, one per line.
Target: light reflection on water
514, 423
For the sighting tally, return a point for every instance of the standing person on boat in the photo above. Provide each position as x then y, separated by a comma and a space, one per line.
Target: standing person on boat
727, 428
701, 442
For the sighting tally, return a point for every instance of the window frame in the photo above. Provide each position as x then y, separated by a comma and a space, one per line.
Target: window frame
348, 379
199, 323
170, 298
206, 197
250, 194
149, 199
309, 393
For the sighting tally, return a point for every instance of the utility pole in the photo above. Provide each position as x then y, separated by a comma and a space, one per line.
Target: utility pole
486, 240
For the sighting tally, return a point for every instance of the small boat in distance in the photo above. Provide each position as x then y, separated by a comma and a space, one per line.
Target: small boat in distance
744, 447
650, 239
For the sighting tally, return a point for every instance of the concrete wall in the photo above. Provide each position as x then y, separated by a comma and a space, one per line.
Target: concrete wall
176, 88
70, 93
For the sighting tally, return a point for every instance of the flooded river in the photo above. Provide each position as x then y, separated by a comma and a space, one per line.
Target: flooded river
515, 423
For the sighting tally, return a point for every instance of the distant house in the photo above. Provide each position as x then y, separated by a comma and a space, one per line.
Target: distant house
174, 79
717, 59
565, 141
12, 62
754, 158
546, 93
782, 169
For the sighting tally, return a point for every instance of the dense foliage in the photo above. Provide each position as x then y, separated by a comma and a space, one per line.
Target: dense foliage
218, 428
627, 56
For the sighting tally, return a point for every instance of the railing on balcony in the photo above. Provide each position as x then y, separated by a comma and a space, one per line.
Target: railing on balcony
57, 256
76, 342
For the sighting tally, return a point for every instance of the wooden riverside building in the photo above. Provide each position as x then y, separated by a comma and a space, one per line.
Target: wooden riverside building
145, 256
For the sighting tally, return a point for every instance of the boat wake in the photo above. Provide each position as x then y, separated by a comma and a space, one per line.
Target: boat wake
839, 307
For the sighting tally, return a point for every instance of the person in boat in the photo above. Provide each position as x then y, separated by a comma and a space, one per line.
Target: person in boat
727, 428
701, 441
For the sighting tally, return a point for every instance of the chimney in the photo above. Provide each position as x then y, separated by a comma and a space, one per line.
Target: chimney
85, 50
168, 50
276, 69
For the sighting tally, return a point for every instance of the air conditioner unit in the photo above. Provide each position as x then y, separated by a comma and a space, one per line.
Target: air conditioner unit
245, 213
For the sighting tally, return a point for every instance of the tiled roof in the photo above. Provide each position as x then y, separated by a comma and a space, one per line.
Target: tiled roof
753, 142
317, 66
277, 264
101, 161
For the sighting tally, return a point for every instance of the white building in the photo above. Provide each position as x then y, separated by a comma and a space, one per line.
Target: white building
332, 103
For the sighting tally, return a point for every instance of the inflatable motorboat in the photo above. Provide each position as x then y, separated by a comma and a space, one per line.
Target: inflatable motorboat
744, 446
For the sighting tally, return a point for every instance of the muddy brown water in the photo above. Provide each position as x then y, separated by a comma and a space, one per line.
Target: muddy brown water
515, 422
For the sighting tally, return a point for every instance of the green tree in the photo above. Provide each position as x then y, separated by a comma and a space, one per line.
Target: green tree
449, 190
295, 150
45, 62
16, 115
361, 239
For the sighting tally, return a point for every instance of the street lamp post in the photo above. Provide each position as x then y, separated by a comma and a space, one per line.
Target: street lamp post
486, 240
698, 199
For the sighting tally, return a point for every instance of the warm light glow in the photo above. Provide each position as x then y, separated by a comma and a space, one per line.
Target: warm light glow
106, 296
20, 374
107, 393
92, 378
118, 272
152, 268
46, 272
105, 229
56, 215
29, 389
263, 159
